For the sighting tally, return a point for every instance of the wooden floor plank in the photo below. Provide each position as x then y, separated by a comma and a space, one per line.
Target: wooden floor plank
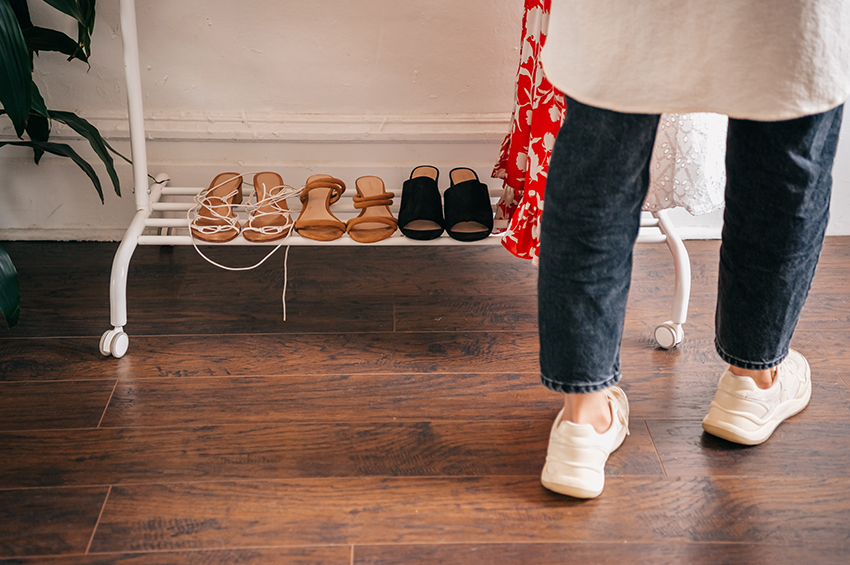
674, 395
47, 359
213, 314
465, 313
333, 555
296, 450
473, 510
603, 553
796, 448
50, 405
79, 358
48, 521
329, 398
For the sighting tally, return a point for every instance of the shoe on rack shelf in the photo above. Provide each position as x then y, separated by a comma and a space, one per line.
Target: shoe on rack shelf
469, 214
375, 222
316, 220
743, 413
269, 219
575, 461
212, 219
421, 213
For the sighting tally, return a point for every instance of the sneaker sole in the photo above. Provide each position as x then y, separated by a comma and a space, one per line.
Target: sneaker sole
574, 490
737, 435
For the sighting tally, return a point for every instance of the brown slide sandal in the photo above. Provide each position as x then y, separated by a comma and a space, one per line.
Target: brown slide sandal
316, 220
375, 221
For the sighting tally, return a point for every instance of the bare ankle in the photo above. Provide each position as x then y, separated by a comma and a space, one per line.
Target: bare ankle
589, 408
762, 377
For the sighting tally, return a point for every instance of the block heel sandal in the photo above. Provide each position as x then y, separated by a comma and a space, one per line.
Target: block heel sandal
316, 220
469, 214
375, 221
421, 213
213, 218
269, 218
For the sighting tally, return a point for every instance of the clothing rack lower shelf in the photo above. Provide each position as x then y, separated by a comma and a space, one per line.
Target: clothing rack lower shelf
166, 222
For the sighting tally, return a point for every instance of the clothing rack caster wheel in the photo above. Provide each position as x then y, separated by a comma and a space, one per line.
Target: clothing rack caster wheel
669, 334
114, 343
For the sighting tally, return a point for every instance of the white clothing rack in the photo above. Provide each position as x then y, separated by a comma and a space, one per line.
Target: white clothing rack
161, 219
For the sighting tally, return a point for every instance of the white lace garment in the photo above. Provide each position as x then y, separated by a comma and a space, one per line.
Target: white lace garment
688, 167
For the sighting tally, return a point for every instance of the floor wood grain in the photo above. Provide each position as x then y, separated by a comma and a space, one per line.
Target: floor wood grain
422, 449
343, 398
49, 405
326, 555
471, 510
685, 450
396, 417
48, 521
577, 553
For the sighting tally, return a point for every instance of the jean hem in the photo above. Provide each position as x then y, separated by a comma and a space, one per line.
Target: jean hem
750, 365
579, 389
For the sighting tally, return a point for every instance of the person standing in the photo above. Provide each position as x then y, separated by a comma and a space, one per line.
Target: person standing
781, 72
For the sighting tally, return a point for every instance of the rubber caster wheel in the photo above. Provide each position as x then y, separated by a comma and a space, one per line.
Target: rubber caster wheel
114, 343
668, 335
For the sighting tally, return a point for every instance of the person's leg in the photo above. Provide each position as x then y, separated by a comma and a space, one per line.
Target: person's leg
777, 208
598, 178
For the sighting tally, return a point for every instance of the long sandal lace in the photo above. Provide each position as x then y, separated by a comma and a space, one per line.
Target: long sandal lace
273, 199
204, 199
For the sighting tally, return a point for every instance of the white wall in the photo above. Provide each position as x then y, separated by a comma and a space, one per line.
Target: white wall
347, 87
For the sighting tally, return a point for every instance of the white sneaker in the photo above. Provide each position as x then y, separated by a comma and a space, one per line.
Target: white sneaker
575, 463
743, 413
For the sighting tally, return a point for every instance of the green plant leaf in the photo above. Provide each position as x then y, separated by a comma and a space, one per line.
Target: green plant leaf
94, 138
87, 7
38, 128
43, 39
84, 14
15, 69
38, 105
22, 11
10, 295
69, 7
63, 151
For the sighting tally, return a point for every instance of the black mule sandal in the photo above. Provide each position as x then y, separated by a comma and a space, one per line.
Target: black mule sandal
469, 214
421, 213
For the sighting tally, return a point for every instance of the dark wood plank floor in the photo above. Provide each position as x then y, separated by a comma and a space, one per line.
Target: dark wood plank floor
396, 417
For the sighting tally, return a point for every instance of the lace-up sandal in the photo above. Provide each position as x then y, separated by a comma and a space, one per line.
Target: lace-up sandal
213, 220
421, 213
269, 219
469, 215
375, 221
316, 220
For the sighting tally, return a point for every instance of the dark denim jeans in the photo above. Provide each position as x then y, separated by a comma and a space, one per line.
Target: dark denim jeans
777, 207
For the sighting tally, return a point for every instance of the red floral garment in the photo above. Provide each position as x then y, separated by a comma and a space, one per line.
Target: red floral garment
524, 159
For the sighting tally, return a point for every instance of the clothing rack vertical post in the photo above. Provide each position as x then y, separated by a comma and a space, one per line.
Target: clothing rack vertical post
158, 222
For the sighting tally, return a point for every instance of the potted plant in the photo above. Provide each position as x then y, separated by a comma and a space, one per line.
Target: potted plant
22, 103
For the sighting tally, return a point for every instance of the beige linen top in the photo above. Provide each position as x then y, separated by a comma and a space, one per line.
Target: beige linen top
751, 59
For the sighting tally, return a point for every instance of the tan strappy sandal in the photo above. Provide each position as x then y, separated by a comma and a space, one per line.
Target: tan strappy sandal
316, 220
269, 219
375, 221
214, 220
